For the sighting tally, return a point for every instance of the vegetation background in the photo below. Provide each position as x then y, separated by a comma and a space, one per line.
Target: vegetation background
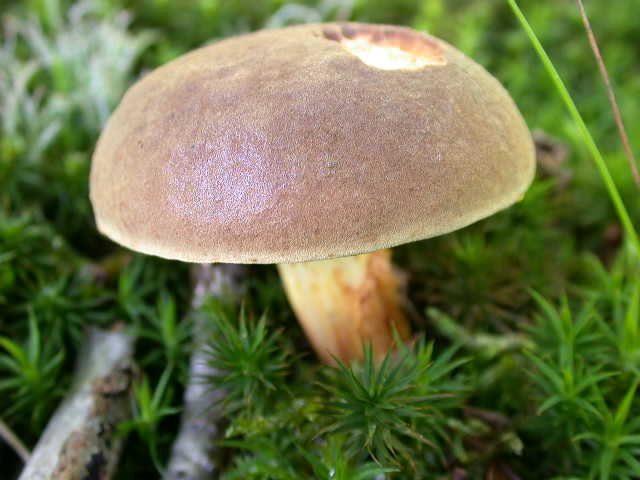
528, 358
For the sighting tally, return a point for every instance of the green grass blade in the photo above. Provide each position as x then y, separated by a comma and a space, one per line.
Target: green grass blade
618, 203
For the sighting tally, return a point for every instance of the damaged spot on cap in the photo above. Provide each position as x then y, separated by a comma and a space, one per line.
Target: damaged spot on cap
386, 47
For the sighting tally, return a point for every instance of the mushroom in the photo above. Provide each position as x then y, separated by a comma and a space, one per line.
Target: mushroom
317, 148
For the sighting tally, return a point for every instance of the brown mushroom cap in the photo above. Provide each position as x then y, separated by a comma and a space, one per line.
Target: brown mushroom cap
284, 146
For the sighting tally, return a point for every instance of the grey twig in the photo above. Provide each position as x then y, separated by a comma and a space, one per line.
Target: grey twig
80, 440
194, 453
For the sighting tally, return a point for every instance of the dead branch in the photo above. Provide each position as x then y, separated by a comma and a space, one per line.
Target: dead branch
194, 453
80, 440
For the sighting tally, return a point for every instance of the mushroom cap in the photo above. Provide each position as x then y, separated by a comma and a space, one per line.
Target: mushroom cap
285, 146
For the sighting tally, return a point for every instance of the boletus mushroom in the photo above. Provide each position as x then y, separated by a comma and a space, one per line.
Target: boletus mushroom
315, 147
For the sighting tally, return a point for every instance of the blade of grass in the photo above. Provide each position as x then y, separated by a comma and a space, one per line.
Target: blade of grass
612, 96
614, 194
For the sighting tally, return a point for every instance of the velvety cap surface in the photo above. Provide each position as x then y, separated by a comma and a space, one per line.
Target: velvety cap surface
293, 144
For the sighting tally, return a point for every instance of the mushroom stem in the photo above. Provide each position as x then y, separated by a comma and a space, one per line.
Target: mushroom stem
344, 302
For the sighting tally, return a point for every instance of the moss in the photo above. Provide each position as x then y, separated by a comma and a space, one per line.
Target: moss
533, 313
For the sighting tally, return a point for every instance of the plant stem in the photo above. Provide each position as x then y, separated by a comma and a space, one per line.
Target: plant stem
80, 440
612, 96
614, 194
194, 452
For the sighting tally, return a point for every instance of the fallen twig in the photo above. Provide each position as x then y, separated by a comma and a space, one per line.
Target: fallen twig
80, 441
193, 455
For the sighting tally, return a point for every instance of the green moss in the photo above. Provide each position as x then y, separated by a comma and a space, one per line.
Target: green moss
532, 315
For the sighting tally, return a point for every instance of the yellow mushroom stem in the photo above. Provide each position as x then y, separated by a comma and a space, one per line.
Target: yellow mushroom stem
345, 302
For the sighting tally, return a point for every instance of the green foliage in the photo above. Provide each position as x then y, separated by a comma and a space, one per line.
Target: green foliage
40, 273
29, 248
616, 439
166, 330
359, 421
251, 362
378, 406
30, 384
333, 463
589, 142
585, 366
150, 407
385, 407
534, 359
77, 67
617, 291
